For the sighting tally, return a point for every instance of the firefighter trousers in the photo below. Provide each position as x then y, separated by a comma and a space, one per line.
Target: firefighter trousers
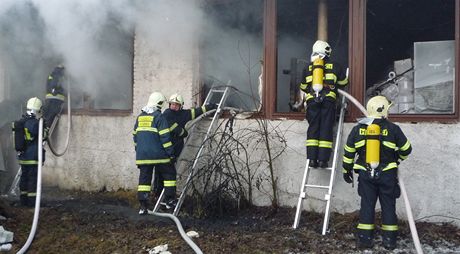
28, 185
167, 172
386, 189
321, 120
51, 109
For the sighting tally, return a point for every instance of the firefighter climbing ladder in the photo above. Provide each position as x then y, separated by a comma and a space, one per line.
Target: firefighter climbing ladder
223, 92
332, 169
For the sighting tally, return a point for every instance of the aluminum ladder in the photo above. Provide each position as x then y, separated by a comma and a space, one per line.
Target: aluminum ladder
305, 185
222, 92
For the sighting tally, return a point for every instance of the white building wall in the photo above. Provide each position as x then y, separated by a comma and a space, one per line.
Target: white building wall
101, 153
431, 173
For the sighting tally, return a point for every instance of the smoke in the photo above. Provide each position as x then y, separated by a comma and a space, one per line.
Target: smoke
233, 45
94, 40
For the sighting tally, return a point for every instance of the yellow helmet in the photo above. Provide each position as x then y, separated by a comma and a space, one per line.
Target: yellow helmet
176, 98
378, 106
34, 104
156, 99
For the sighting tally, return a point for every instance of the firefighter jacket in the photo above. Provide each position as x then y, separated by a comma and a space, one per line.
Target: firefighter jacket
30, 154
334, 77
54, 88
394, 146
152, 139
177, 121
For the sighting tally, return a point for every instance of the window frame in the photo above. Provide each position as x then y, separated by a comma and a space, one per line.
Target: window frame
356, 62
86, 111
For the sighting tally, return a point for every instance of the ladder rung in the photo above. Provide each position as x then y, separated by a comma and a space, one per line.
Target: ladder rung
329, 168
216, 91
317, 186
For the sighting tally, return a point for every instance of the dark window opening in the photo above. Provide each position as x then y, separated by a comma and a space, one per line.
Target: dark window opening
297, 31
410, 54
231, 51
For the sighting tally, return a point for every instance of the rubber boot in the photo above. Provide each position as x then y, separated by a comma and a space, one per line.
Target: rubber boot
365, 239
389, 239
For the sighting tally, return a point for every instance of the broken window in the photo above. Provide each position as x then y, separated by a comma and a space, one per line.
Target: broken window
108, 84
410, 54
231, 51
299, 25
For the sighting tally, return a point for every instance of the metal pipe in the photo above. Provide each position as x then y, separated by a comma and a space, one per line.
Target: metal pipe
322, 20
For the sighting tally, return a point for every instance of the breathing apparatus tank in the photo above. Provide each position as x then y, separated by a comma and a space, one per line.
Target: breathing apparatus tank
318, 75
373, 147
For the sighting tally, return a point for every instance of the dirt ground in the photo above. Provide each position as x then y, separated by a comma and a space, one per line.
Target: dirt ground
107, 222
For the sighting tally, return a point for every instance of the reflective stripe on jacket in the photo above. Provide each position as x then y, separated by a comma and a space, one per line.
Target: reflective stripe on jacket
152, 139
30, 154
333, 78
394, 146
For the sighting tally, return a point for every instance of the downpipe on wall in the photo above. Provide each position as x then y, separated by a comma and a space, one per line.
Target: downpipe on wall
39, 190
410, 217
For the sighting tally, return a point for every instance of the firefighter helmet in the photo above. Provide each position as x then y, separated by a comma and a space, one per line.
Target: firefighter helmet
322, 49
34, 104
176, 98
156, 99
377, 107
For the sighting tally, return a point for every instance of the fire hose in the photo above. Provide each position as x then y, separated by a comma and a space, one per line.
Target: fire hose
69, 118
39, 190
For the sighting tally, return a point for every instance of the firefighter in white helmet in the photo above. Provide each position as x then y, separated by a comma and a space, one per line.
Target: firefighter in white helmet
177, 117
154, 150
378, 181
321, 79
25, 132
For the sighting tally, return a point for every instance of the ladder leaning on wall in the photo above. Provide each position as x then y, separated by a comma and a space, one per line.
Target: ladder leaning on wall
221, 93
305, 185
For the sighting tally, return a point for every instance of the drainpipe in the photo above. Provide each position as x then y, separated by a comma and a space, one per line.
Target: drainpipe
322, 20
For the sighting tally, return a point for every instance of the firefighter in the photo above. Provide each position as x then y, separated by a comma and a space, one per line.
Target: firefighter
154, 149
54, 95
379, 146
28, 157
177, 118
321, 79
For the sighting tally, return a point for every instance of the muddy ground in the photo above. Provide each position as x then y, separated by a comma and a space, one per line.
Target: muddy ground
107, 222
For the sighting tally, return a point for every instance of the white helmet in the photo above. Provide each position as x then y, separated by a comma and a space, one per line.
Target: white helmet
176, 98
321, 49
34, 105
378, 106
156, 99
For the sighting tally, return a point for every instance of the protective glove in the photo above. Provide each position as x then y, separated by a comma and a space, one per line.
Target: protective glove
211, 106
348, 176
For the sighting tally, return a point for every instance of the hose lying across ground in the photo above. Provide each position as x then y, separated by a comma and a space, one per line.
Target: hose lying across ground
181, 230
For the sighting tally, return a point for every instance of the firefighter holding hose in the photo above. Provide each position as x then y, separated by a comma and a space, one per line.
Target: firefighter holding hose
379, 147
